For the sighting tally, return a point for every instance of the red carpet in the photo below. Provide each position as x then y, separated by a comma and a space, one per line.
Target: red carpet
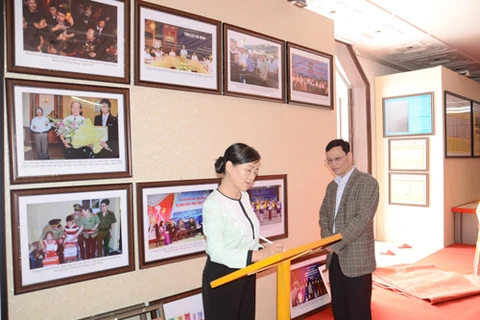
388, 305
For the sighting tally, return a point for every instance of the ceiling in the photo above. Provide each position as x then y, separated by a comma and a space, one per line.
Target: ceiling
409, 34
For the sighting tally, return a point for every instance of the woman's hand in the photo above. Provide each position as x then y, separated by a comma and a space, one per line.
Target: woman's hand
268, 250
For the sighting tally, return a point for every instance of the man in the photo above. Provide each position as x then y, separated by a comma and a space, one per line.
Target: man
40, 126
107, 219
57, 230
88, 47
75, 120
77, 220
106, 119
348, 208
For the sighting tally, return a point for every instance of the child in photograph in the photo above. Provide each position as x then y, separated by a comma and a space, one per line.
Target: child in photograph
50, 246
72, 230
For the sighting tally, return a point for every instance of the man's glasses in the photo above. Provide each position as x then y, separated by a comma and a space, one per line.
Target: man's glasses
331, 161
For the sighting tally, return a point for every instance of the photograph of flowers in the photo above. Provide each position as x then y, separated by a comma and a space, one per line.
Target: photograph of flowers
63, 131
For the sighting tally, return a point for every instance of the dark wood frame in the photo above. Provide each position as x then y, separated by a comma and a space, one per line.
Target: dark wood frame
447, 155
19, 248
264, 180
185, 15
172, 298
12, 111
427, 188
142, 233
12, 65
319, 55
318, 255
426, 154
475, 129
432, 122
226, 67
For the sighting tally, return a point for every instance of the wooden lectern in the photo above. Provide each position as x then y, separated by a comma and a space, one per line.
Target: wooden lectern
282, 262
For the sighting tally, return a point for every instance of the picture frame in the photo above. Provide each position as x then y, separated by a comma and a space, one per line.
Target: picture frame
408, 115
310, 77
71, 256
176, 49
408, 189
254, 64
308, 291
476, 128
408, 154
458, 125
69, 147
64, 46
185, 305
269, 201
171, 202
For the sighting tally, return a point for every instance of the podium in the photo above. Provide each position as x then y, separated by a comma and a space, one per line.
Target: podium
282, 261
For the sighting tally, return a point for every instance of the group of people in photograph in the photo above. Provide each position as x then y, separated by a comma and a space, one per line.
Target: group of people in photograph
80, 138
306, 290
252, 66
178, 58
85, 235
267, 208
309, 84
75, 28
161, 233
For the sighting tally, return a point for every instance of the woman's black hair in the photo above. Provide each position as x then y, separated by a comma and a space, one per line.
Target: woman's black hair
237, 153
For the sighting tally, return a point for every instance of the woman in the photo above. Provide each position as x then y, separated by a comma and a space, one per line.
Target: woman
232, 231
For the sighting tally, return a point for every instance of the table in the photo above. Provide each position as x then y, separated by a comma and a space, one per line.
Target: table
467, 208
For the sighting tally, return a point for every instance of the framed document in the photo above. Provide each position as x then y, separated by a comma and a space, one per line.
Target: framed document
185, 305
458, 126
408, 189
408, 115
408, 154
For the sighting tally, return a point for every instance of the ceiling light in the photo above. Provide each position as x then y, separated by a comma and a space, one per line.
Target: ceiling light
300, 3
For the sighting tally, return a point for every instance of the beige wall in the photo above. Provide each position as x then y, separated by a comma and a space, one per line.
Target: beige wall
451, 181
178, 135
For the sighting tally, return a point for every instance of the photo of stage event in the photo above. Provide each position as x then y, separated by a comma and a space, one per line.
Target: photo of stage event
253, 61
71, 28
175, 218
62, 127
70, 231
178, 48
266, 204
309, 75
307, 286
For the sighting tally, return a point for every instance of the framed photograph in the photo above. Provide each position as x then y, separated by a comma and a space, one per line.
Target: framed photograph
59, 239
61, 132
408, 189
408, 115
476, 128
254, 64
269, 201
458, 126
81, 40
408, 154
309, 77
185, 305
170, 220
309, 292
176, 50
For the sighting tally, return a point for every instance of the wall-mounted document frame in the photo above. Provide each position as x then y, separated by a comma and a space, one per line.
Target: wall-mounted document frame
408, 154
408, 115
458, 125
408, 189
476, 128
